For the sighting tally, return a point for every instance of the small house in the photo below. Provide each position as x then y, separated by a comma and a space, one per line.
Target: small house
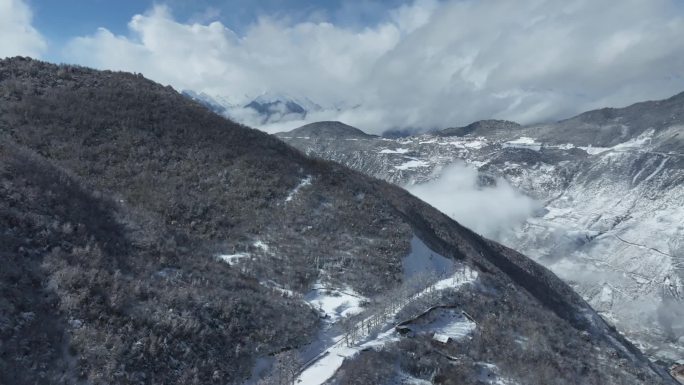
441, 338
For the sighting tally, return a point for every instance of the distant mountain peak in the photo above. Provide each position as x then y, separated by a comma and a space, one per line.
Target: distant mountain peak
275, 97
328, 130
480, 127
274, 107
267, 107
207, 100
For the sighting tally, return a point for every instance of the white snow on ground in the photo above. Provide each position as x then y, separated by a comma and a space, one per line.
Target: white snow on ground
442, 323
323, 368
617, 242
397, 151
232, 259
639, 142
475, 163
276, 287
429, 141
261, 245
524, 142
414, 163
305, 182
455, 329
407, 379
457, 279
489, 374
476, 144
594, 150
335, 304
657, 170
566, 146
459, 144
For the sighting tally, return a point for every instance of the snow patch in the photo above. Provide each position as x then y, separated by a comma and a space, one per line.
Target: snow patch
457, 279
490, 374
657, 170
397, 151
606, 294
475, 144
523, 142
455, 144
278, 288
321, 370
232, 259
594, 150
335, 304
637, 143
456, 329
408, 379
261, 245
305, 182
444, 324
414, 163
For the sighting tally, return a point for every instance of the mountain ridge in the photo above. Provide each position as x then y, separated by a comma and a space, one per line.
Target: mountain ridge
479, 128
327, 129
631, 246
187, 185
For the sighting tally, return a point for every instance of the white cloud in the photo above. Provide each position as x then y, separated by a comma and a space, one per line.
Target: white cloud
429, 64
493, 210
317, 60
18, 35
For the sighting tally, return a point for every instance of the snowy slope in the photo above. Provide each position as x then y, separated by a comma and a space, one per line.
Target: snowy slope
421, 260
352, 323
612, 223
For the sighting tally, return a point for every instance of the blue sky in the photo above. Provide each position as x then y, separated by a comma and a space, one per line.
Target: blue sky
61, 20
375, 64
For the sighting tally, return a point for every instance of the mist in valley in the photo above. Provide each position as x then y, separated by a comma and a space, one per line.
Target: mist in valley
493, 210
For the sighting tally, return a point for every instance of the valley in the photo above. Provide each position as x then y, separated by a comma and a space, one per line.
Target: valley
146, 239
604, 213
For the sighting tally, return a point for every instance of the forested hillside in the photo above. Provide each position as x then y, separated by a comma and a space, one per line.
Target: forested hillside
118, 197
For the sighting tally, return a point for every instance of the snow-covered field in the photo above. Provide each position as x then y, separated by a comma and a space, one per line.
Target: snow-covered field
334, 304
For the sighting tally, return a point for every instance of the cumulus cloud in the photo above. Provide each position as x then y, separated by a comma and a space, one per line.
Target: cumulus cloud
18, 35
427, 64
316, 60
493, 210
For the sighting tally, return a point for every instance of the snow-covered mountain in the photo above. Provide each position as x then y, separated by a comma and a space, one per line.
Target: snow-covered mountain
266, 108
609, 192
280, 107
